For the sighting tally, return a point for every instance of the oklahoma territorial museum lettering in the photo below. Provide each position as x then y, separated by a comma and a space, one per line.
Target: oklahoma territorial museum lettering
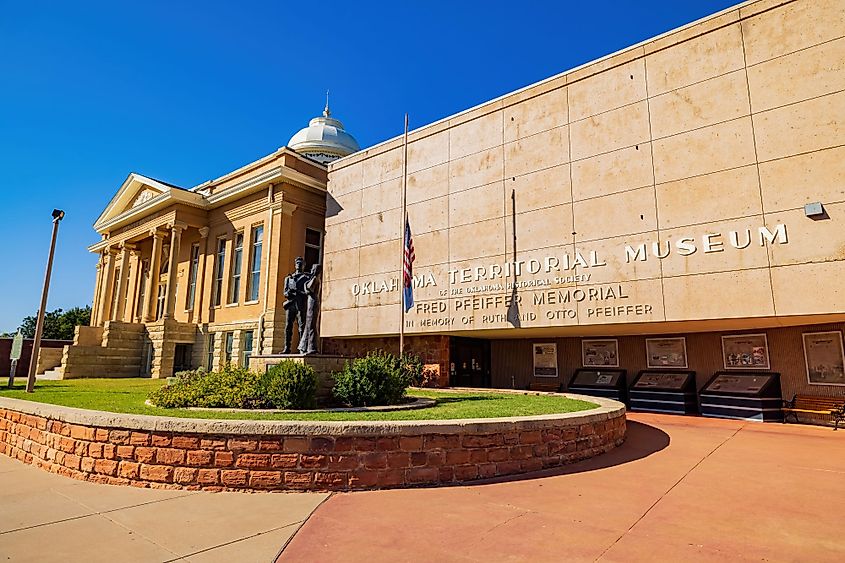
549, 271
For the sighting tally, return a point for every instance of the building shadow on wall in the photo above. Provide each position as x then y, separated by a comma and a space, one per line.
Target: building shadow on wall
332, 206
642, 441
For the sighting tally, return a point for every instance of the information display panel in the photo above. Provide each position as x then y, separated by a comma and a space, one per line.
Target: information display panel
750, 384
597, 378
664, 391
747, 396
603, 382
663, 381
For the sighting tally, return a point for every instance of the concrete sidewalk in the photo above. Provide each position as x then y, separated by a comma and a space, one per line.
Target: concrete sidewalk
679, 489
46, 517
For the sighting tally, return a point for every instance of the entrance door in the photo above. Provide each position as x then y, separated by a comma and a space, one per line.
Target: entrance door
469, 362
182, 358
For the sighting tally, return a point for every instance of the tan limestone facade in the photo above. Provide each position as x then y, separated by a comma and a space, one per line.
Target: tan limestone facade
659, 191
193, 277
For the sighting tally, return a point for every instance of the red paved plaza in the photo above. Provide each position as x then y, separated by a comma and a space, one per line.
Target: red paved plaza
679, 489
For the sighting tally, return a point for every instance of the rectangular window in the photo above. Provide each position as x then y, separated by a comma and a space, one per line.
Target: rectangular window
219, 264
160, 300
255, 263
210, 359
246, 349
142, 292
237, 259
230, 344
313, 248
115, 298
192, 276
148, 358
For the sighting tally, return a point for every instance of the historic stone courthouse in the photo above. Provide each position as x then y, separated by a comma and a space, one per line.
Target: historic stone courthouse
676, 207
193, 277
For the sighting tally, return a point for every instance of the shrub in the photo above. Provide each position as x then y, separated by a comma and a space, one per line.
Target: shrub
289, 385
429, 377
377, 379
231, 387
413, 366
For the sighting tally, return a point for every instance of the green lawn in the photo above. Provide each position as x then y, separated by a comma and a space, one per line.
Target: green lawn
128, 396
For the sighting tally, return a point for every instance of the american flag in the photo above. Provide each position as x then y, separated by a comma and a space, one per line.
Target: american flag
408, 268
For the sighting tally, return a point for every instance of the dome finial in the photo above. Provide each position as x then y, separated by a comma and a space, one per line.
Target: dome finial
326, 111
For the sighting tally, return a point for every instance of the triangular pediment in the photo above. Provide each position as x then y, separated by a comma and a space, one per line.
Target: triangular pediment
144, 195
135, 194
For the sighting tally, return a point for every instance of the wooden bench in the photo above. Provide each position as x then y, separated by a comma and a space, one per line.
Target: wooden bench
543, 386
826, 407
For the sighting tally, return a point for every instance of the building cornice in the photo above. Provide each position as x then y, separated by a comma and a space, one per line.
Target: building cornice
170, 196
281, 151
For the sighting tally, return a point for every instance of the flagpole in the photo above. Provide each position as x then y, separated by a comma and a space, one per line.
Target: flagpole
402, 238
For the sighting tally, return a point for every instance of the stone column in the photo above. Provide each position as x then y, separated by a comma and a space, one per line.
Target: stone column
132, 303
95, 304
122, 282
200, 289
172, 269
151, 292
104, 309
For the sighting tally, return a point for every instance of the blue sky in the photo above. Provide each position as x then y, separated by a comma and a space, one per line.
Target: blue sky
184, 92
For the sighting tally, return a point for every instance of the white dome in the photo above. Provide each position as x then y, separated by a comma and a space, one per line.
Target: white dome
324, 139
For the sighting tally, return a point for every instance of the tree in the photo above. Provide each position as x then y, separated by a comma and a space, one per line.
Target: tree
58, 324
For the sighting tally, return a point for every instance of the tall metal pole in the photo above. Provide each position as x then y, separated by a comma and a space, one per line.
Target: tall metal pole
402, 238
39, 325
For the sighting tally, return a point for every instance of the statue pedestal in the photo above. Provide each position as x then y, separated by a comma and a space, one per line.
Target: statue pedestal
324, 366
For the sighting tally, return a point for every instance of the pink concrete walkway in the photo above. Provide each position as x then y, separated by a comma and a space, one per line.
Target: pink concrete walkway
680, 489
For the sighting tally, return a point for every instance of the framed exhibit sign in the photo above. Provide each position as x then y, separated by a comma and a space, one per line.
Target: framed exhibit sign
545, 360
745, 351
824, 357
666, 353
600, 353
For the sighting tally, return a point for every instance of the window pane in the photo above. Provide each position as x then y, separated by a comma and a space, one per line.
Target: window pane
255, 263
312, 256
313, 247
192, 276
312, 237
219, 264
255, 281
237, 259
246, 353
230, 341
210, 365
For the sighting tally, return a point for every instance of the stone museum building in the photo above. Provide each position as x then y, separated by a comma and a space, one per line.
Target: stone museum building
194, 277
677, 207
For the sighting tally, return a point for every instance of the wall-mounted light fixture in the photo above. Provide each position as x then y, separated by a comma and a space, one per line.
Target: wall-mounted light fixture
815, 210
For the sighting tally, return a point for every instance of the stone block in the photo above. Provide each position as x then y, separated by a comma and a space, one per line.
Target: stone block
711, 54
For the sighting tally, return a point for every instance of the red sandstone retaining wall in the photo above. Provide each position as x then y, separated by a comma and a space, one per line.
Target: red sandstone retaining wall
158, 452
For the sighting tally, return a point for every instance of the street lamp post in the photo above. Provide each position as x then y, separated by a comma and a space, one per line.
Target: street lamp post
58, 215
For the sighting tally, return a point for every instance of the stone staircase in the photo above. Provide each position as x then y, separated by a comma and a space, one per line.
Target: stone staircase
113, 350
52, 374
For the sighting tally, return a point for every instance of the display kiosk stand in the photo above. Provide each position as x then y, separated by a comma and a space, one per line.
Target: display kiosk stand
664, 391
747, 396
601, 382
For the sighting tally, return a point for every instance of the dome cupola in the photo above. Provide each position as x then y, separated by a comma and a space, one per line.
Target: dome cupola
324, 139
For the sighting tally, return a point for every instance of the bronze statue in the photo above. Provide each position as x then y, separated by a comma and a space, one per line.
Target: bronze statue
296, 304
312, 288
